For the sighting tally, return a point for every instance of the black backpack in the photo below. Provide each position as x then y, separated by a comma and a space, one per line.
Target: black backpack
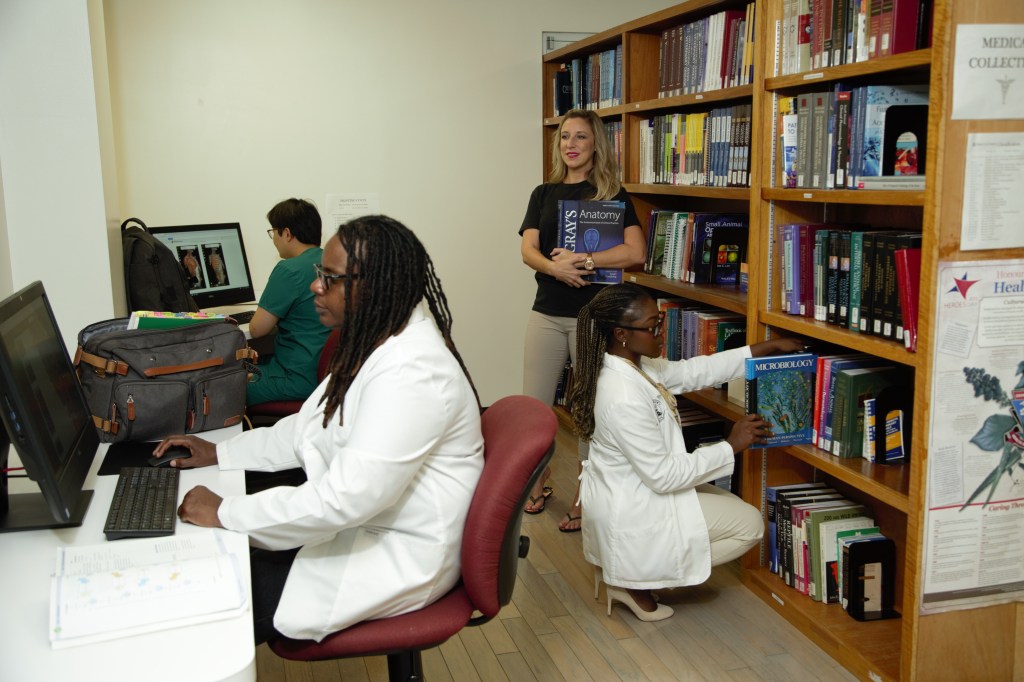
154, 279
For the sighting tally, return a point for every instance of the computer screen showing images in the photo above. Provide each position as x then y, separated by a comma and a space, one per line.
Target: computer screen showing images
214, 260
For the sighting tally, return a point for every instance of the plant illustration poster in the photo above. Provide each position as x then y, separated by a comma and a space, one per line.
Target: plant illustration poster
974, 525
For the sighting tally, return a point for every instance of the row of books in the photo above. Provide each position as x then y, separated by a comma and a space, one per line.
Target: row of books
710, 53
696, 247
867, 137
861, 408
828, 547
865, 280
851, 405
697, 149
692, 330
590, 82
817, 34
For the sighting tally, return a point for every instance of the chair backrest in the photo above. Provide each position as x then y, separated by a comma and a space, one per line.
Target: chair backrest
326, 354
519, 434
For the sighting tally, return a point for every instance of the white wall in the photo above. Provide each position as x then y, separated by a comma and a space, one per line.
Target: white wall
223, 107
54, 224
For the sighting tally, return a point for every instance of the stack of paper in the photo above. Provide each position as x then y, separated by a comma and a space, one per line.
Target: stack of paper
130, 587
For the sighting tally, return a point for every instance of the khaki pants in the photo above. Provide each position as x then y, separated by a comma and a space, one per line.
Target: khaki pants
733, 525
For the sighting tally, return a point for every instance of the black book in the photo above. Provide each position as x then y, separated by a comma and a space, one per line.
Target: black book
869, 580
784, 524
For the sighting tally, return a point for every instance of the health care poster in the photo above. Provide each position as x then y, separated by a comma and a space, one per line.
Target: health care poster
974, 515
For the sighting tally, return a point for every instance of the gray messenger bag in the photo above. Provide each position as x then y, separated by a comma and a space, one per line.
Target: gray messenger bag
146, 384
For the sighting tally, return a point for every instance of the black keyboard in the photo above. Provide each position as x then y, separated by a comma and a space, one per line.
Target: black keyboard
243, 317
144, 504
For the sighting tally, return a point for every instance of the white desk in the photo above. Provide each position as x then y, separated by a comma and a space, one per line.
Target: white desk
219, 650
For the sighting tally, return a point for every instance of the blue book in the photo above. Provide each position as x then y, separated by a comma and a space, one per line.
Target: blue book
780, 388
592, 226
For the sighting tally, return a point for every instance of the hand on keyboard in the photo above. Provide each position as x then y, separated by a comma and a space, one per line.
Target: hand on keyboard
200, 507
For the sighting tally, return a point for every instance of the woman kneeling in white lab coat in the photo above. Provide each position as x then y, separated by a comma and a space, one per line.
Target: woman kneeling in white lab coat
390, 444
653, 521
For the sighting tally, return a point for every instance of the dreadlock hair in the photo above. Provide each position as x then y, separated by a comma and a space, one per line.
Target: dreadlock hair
394, 273
613, 307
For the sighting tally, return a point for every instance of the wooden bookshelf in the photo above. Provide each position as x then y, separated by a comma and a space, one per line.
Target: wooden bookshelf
977, 644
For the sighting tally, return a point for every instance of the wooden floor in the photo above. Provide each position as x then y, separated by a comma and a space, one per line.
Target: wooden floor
555, 630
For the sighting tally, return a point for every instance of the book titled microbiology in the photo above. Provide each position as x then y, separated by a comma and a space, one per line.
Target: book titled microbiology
592, 226
780, 388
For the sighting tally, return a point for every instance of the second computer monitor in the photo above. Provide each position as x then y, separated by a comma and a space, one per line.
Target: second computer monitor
214, 260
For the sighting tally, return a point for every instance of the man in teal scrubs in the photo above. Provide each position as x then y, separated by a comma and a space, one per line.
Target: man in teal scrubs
287, 303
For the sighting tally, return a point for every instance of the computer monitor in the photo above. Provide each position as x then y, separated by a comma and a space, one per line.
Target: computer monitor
214, 260
44, 415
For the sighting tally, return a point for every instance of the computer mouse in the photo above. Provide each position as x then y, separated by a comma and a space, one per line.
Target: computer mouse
172, 453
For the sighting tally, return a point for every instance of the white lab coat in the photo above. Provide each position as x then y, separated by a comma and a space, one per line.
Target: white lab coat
380, 518
642, 521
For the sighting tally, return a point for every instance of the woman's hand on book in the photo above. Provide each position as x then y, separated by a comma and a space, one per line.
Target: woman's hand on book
199, 507
204, 453
748, 431
778, 346
567, 268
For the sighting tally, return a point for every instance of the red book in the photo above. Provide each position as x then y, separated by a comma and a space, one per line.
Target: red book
902, 33
874, 28
908, 280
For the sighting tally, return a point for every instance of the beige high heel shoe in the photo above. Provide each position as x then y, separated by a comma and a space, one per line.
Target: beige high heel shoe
615, 594
598, 577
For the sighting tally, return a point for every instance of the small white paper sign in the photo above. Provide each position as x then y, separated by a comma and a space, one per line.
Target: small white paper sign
341, 208
988, 72
993, 209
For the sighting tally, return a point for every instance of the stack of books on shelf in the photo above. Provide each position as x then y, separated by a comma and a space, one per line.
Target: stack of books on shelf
818, 34
710, 53
815, 537
699, 248
700, 428
590, 82
697, 149
865, 137
692, 330
867, 281
854, 395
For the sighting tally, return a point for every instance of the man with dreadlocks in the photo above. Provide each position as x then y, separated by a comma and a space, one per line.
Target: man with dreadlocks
652, 519
390, 443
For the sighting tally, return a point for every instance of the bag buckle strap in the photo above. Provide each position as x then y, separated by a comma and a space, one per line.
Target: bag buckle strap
246, 354
102, 366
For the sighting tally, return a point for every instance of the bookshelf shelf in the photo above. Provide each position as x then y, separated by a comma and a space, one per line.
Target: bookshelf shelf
869, 650
665, 103
919, 61
720, 296
732, 193
864, 197
887, 484
832, 334
716, 400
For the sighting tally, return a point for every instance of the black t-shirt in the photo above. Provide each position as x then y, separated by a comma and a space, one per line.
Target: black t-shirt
553, 297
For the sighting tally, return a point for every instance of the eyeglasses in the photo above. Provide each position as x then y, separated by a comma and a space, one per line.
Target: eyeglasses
655, 330
326, 279
270, 232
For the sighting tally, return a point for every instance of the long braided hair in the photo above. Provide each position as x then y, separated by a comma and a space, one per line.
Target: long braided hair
613, 307
394, 273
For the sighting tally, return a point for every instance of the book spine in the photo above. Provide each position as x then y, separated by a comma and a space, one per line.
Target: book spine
856, 276
832, 283
843, 314
870, 430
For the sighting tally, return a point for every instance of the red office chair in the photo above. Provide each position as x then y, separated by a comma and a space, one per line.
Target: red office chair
264, 414
519, 434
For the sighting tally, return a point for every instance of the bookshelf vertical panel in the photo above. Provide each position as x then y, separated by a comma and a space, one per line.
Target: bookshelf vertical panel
642, 59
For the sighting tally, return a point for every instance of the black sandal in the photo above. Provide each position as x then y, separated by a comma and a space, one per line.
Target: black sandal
544, 495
